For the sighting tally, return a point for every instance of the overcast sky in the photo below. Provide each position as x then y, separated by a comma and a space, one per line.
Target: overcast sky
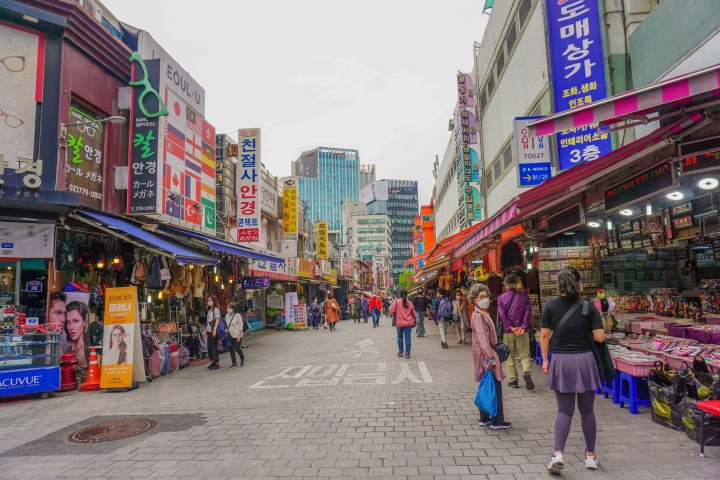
374, 75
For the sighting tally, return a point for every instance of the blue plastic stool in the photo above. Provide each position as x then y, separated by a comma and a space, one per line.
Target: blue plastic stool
613, 388
538, 354
637, 393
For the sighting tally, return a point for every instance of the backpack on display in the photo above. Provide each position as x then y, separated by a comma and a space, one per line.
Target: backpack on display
67, 257
154, 280
445, 308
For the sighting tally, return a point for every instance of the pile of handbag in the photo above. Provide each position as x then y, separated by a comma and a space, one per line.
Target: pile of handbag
674, 395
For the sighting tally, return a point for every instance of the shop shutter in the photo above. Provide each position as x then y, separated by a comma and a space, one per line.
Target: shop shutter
524, 11
511, 38
507, 156
500, 62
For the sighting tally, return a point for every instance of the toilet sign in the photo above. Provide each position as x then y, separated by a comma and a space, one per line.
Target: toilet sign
33, 286
532, 153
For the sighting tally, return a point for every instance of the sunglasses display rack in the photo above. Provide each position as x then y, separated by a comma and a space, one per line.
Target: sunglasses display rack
8, 319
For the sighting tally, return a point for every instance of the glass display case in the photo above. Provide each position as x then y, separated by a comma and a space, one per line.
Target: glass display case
29, 363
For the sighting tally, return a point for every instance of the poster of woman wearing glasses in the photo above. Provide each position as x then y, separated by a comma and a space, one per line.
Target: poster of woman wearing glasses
21, 73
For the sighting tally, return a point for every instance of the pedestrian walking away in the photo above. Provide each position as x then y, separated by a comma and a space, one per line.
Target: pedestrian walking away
443, 317
460, 316
332, 310
573, 373
405, 320
421, 304
314, 313
485, 358
213, 322
515, 312
433, 305
235, 322
365, 307
375, 308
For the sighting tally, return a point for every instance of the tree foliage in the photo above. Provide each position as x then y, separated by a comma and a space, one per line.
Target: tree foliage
403, 280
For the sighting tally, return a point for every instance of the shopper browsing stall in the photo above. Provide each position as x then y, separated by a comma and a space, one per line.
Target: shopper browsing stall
211, 332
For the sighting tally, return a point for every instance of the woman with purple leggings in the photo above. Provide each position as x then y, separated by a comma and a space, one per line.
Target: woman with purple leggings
573, 374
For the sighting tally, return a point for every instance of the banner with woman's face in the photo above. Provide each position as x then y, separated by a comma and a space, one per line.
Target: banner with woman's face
71, 308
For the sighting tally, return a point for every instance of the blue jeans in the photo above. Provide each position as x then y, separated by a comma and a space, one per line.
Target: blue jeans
376, 316
407, 333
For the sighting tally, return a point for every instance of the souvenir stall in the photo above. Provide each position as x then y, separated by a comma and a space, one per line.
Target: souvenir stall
276, 275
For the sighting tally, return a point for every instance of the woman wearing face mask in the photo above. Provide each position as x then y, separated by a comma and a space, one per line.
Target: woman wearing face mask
484, 355
460, 316
213, 317
234, 322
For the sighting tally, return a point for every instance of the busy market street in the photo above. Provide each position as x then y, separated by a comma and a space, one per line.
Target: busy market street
333, 405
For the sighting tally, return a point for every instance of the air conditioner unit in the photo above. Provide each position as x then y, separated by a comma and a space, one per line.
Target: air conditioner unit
93, 8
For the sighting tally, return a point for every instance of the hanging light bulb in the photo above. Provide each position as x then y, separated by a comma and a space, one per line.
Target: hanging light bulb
160, 295
191, 267
116, 259
222, 286
217, 278
101, 263
230, 281
149, 299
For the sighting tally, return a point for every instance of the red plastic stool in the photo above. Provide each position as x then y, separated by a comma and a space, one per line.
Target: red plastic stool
711, 407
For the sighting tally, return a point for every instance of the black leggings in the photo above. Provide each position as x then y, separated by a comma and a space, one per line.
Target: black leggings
236, 347
212, 344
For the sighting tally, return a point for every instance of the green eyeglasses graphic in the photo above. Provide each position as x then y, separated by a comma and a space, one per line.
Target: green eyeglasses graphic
162, 111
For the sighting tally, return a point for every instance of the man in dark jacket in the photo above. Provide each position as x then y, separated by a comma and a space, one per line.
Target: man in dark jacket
515, 312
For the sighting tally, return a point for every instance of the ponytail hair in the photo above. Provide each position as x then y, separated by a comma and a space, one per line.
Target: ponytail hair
568, 282
403, 295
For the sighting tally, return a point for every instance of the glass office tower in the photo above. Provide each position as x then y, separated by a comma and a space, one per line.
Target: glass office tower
326, 176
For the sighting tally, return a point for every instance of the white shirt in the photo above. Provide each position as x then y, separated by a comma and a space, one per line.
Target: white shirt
211, 316
234, 321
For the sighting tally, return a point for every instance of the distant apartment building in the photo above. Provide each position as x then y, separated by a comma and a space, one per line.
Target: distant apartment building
367, 175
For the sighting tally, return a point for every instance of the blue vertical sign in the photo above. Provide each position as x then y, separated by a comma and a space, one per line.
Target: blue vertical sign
578, 75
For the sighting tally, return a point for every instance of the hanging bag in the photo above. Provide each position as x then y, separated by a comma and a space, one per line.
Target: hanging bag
486, 396
154, 280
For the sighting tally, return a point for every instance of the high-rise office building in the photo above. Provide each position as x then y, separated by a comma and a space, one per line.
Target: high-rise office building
367, 175
326, 176
398, 199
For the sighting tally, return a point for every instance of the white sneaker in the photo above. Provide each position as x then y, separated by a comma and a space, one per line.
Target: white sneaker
483, 424
557, 463
591, 463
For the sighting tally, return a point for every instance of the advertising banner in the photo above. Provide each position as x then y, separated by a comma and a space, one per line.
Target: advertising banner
305, 269
466, 90
143, 152
289, 210
375, 191
322, 245
29, 380
268, 197
533, 154
291, 299
300, 315
578, 75
248, 170
468, 127
277, 270
121, 332
84, 161
27, 240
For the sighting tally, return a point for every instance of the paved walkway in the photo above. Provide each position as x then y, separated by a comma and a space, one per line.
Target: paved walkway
327, 405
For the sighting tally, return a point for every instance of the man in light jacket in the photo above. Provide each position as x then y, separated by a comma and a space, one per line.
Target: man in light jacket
515, 312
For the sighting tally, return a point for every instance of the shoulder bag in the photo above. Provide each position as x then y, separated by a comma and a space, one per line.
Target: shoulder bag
601, 352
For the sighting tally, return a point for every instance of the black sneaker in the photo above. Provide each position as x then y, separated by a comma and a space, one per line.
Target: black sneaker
234, 365
513, 385
500, 425
528, 381
214, 366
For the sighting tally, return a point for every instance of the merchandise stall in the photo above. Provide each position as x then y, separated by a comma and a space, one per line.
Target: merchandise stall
278, 275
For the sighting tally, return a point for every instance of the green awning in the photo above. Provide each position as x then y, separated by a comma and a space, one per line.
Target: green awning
488, 4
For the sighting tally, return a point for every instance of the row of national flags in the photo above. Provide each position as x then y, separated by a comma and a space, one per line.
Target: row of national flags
188, 165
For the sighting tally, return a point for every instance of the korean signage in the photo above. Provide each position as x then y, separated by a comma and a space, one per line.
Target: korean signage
701, 162
305, 268
144, 137
248, 170
275, 269
468, 127
289, 209
299, 315
268, 197
375, 191
293, 266
322, 245
84, 156
346, 267
578, 75
27, 240
250, 283
466, 90
21, 85
119, 337
646, 183
533, 154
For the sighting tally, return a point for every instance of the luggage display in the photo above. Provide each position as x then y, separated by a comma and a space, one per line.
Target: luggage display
184, 356
174, 357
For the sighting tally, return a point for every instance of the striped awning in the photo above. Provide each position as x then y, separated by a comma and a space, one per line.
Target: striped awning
501, 218
635, 104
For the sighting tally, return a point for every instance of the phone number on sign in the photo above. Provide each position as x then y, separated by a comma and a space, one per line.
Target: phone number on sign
85, 191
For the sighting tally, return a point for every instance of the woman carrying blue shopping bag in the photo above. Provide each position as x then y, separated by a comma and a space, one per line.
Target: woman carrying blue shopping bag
486, 359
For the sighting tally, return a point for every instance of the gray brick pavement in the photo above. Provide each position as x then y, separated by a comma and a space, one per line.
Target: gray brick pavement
320, 405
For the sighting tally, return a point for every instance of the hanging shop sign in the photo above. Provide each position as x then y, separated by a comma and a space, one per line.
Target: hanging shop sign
472, 161
346, 267
468, 127
268, 196
647, 183
289, 209
21, 84
292, 266
305, 268
250, 283
144, 136
121, 332
473, 203
84, 156
701, 162
565, 220
322, 245
533, 154
578, 75
27, 240
465, 90
277, 270
332, 277
248, 169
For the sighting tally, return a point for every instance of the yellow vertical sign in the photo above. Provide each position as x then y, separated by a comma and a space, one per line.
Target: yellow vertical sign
322, 243
289, 212
118, 337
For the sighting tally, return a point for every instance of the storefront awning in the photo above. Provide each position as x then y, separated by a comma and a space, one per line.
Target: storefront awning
221, 245
132, 232
501, 218
417, 258
637, 104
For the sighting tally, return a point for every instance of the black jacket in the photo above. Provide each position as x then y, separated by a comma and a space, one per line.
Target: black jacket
510, 255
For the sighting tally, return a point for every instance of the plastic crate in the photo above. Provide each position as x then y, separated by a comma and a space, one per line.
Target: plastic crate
675, 361
634, 369
713, 319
